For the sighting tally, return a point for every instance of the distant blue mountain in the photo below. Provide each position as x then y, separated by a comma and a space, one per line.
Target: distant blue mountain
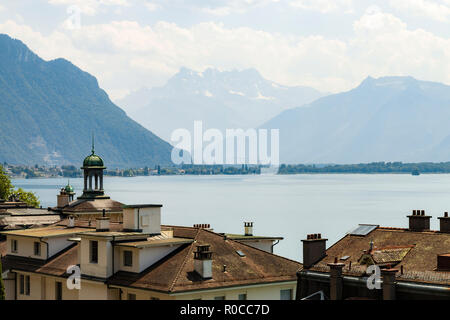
49, 110
384, 119
221, 99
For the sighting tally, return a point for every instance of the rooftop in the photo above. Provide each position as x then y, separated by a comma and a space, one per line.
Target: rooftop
175, 273
47, 232
244, 237
415, 251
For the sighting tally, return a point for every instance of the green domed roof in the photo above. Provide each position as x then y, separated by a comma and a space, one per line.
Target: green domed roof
93, 160
68, 188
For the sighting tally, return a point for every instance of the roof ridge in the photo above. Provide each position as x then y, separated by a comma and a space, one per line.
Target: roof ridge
237, 241
172, 285
273, 254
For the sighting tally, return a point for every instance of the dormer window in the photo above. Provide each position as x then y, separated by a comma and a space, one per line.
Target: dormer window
14, 246
128, 258
37, 248
93, 251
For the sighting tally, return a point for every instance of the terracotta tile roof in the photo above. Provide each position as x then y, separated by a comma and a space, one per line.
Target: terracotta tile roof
415, 251
175, 273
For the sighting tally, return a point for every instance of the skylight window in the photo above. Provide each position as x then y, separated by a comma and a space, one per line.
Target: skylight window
240, 253
363, 229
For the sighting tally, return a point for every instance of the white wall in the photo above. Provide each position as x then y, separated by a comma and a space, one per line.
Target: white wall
149, 219
101, 269
149, 256
25, 246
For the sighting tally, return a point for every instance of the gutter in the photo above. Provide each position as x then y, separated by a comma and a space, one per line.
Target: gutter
401, 286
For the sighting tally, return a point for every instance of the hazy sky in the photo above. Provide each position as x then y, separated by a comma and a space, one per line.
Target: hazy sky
331, 45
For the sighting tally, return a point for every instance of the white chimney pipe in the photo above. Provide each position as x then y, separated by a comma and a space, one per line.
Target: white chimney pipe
203, 261
248, 228
71, 222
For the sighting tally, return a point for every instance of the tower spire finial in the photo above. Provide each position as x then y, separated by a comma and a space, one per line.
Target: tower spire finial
93, 149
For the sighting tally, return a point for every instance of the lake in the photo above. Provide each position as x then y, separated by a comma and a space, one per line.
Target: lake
290, 206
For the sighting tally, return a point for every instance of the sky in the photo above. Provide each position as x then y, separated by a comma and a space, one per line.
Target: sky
330, 45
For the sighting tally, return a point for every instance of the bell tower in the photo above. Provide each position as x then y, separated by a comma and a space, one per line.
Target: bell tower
93, 167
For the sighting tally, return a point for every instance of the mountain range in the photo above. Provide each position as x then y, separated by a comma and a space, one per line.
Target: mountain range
221, 99
50, 109
384, 119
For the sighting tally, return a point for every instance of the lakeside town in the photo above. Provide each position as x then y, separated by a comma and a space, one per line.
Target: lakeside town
71, 171
93, 247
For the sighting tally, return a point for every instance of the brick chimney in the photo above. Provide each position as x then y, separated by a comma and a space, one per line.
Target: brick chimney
62, 199
203, 261
336, 280
418, 221
314, 249
389, 283
444, 223
248, 228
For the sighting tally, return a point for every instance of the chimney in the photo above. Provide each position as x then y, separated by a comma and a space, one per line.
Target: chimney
71, 222
62, 199
418, 221
102, 223
314, 249
444, 223
248, 228
336, 280
389, 283
206, 226
203, 261
145, 218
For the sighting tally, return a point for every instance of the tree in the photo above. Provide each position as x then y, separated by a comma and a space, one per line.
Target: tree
2, 285
7, 190
6, 187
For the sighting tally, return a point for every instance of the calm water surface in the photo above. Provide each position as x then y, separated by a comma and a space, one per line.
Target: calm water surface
288, 206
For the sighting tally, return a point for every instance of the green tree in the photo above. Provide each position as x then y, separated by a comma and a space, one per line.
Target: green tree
7, 190
28, 197
6, 187
2, 285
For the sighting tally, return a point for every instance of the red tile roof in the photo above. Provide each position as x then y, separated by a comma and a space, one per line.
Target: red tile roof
175, 273
419, 262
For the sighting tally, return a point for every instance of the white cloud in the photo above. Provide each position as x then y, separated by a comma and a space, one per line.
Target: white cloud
435, 10
89, 7
151, 6
126, 55
324, 6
